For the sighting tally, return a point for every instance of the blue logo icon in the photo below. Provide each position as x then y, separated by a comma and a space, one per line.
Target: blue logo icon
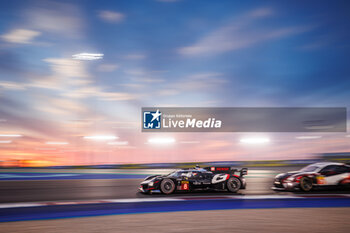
152, 120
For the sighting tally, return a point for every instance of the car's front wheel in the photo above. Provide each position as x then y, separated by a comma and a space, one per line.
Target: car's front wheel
167, 186
305, 184
233, 184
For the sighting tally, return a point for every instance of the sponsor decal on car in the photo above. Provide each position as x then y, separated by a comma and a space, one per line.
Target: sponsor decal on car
222, 169
320, 180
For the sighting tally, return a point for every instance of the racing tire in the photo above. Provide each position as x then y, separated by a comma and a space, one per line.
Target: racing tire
233, 184
167, 186
305, 184
344, 185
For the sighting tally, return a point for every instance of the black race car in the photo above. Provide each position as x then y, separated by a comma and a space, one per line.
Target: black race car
187, 180
317, 175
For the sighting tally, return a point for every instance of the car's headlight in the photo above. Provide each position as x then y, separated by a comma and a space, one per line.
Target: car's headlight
290, 178
151, 183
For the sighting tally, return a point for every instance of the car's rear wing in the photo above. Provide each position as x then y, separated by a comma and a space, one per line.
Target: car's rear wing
244, 171
231, 170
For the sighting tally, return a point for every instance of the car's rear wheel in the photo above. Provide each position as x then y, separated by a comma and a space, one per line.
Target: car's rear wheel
233, 184
305, 184
344, 184
167, 186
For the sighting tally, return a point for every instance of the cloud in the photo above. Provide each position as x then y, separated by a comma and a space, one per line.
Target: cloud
52, 83
99, 93
107, 67
72, 80
135, 56
12, 85
197, 87
111, 16
20, 36
28, 125
88, 56
133, 85
55, 17
65, 74
145, 76
115, 96
67, 67
239, 34
168, 92
202, 81
136, 72
60, 106
148, 80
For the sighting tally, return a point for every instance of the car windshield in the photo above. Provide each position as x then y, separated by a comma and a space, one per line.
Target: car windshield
309, 168
175, 174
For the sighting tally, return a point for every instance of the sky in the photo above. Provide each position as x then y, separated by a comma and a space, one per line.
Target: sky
165, 53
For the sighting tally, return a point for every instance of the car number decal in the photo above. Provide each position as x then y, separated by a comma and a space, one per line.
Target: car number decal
184, 185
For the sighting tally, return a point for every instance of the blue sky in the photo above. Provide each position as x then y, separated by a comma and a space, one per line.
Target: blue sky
162, 53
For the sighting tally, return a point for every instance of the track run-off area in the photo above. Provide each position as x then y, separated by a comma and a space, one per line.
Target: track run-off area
59, 194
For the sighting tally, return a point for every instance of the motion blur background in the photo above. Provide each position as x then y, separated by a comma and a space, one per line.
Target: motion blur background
74, 70
75, 74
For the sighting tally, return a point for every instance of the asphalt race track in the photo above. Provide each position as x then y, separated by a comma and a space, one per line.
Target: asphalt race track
108, 200
56, 185
45, 186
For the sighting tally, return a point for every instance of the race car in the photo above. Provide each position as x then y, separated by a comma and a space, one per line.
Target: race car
187, 180
314, 176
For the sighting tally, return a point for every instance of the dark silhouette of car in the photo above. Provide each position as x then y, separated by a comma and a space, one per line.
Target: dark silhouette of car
196, 179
